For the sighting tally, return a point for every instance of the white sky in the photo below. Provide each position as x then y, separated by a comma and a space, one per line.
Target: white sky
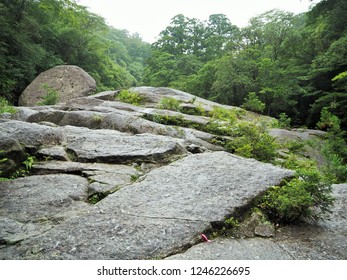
150, 17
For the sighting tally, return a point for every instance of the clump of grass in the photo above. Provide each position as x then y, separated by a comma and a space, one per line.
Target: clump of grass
133, 98
169, 103
97, 118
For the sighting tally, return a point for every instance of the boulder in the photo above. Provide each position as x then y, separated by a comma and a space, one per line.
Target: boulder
68, 81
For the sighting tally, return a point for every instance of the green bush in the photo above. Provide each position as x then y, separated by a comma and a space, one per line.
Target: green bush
133, 98
169, 103
251, 140
284, 121
252, 103
51, 97
309, 195
5, 107
328, 120
335, 146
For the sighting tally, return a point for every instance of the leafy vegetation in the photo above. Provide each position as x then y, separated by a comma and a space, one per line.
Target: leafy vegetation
335, 146
133, 98
169, 103
308, 195
293, 64
5, 107
252, 103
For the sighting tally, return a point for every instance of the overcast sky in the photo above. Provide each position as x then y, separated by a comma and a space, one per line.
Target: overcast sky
150, 17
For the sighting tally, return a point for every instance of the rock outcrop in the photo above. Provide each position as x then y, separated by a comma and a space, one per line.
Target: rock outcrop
111, 182
68, 81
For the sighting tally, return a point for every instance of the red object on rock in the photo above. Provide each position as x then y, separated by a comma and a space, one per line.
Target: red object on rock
204, 238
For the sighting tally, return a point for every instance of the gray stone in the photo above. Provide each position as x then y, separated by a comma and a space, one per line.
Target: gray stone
105, 95
203, 187
68, 80
11, 155
161, 214
30, 134
115, 147
105, 177
295, 134
235, 249
39, 198
55, 152
12, 231
265, 230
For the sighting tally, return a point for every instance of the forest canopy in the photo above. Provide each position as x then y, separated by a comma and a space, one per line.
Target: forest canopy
280, 63
294, 64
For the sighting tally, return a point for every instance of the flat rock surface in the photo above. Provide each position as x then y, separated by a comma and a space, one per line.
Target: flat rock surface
116, 147
159, 215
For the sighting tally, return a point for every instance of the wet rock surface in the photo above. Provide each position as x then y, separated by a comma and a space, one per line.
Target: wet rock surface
109, 182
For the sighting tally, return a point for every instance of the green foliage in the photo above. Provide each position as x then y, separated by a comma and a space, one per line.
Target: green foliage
223, 114
133, 98
24, 168
251, 140
232, 222
335, 146
294, 64
284, 121
306, 196
169, 103
328, 120
5, 107
252, 103
51, 97
95, 198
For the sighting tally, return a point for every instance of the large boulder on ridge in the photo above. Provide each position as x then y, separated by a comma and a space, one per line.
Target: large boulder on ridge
68, 81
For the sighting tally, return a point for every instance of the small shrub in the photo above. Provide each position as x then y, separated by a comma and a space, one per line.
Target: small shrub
133, 98
253, 103
335, 146
284, 121
52, 96
328, 120
306, 196
5, 107
253, 141
169, 103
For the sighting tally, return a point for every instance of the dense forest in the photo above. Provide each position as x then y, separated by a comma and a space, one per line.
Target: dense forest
281, 64
293, 64
37, 35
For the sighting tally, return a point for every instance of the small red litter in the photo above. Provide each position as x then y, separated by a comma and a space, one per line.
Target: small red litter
204, 238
